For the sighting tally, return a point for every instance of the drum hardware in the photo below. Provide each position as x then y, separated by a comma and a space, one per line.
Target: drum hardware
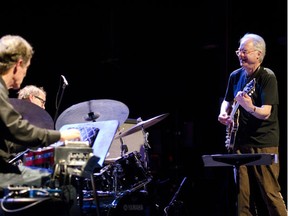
120, 180
125, 174
146, 148
123, 147
142, 125
131, 143
115, 181
93, 195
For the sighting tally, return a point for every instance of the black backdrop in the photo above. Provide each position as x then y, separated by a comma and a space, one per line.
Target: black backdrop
163, 57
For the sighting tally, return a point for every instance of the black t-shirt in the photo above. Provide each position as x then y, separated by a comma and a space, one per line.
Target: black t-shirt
252, 131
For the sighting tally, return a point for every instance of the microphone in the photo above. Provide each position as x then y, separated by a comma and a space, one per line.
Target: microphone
65, 84
64, 80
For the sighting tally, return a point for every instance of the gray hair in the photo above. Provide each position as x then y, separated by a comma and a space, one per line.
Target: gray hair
13, 48
28, 90
258, 43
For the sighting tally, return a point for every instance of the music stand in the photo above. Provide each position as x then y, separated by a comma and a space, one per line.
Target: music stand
105, 133
236, 160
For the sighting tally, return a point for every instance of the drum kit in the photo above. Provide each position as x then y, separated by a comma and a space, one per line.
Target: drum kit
119, 180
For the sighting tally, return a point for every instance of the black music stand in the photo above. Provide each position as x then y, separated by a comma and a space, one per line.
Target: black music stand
236, 160
106, 131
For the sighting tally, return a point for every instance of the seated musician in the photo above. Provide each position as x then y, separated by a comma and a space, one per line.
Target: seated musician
34, 94
15, 58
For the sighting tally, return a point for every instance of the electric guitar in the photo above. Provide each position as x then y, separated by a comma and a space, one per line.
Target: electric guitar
232, 128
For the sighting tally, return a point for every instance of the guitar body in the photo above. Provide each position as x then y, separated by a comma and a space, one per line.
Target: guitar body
231, 131
232, 128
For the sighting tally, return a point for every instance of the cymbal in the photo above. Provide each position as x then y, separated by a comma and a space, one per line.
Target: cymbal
92, 111
143, 125
33, 113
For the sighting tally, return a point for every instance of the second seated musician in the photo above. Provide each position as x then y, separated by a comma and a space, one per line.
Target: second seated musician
35, 95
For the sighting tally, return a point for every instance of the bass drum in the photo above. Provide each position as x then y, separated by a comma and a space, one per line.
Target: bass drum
133, 204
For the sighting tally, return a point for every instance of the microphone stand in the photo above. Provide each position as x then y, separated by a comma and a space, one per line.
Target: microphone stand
60, 100
174, 197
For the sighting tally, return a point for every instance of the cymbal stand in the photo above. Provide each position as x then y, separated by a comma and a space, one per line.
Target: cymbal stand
146, 148
123, 147
115, 179
146, 145
146, 156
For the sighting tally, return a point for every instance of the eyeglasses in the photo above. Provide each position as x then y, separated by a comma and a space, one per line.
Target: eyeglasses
42, 101
244, 52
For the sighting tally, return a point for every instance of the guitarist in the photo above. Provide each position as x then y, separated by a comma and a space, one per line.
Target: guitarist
258, 129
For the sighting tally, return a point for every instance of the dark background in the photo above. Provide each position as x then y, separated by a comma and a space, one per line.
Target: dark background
162, 57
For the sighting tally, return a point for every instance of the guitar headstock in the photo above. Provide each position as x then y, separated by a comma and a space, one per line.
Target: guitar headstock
250, 87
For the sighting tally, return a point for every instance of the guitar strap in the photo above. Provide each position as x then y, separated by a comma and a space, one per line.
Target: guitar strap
249, 78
